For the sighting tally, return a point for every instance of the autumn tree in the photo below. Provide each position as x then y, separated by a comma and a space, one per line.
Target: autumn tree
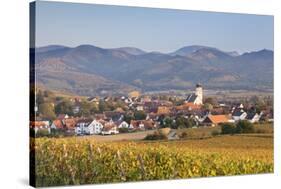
47, 111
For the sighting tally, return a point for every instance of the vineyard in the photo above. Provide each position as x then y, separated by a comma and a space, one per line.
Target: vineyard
85, 161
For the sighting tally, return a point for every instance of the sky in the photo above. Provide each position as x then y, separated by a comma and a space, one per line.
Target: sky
150, 29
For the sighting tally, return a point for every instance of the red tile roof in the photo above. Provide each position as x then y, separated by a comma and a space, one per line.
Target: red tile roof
69, 123
58, 123
218, 118
38, 124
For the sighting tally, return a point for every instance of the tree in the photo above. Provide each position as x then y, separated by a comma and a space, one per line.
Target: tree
39, 97
64, 107
180, 122
47, 111
167, 122
140, 115
93, 108
103, 106
128, 118
208, 106
244, 126
190, 122
161, 119
48, 93
211, 101
85, 108
228, 128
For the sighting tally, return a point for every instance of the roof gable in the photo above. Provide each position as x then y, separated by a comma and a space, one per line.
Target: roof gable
218, 118
191, 98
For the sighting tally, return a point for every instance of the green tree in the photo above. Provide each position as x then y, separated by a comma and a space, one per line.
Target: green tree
180, 122
128, 118
167, 122
64, 107
47, 111
228, 128
244, 126
140, 115
85, 108
190, 122
103, 106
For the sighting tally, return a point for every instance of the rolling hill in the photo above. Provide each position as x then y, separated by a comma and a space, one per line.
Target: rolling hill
91, 70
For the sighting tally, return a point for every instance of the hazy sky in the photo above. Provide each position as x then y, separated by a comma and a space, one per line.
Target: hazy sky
163, 30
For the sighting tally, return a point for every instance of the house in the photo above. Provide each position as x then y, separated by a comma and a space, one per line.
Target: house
94, 100
109, 129
114, 115
197, 97
57, 125
77, 100
214, 120
253, 117
107, 98
134, 94
149, 124
239, 114
63, 116
95, 127
88, 126
152, 116
119, 110
40, 125
122, 124
267, 116
146, 98
128, 100
76, 109
100, 116
139, 108
69, 125
134, 124
188, 106
142, 124
163, 110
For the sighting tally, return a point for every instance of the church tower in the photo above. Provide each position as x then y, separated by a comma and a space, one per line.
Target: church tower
199, 93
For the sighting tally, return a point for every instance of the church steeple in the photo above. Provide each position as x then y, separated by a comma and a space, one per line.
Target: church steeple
199, 93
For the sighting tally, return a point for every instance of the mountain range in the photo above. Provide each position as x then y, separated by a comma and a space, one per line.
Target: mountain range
91, 70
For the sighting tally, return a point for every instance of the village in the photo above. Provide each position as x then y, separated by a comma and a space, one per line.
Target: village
137, 112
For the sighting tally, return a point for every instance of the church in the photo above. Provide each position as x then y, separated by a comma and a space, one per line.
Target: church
197, 97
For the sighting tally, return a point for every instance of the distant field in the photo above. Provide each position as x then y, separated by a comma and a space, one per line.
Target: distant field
193, 133
205, 132
84, 160
119, 137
